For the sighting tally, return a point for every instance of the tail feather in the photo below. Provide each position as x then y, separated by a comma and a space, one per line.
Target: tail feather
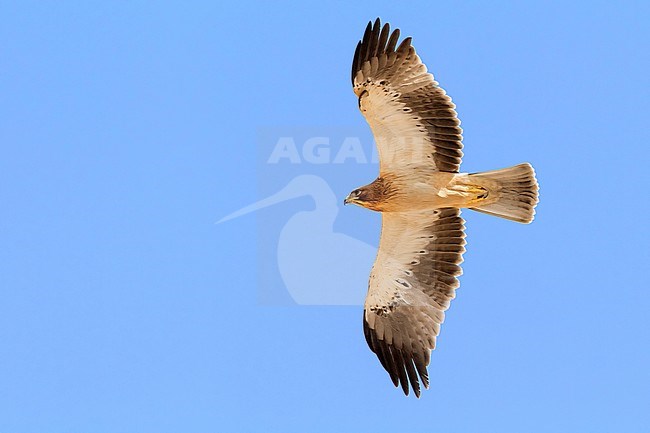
513, 192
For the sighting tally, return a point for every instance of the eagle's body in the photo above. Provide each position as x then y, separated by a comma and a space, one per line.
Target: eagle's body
423, 189
420, 193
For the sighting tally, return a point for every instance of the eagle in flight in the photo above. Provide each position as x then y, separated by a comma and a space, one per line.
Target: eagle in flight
419, 192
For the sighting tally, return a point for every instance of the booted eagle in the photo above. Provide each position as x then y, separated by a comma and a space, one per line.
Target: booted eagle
419, 192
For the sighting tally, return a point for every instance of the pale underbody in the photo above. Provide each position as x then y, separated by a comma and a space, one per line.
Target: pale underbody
424, 190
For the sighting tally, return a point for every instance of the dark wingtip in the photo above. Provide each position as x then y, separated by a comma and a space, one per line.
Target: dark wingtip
403, 367
406, 43
355, 61
367, 32
377, 39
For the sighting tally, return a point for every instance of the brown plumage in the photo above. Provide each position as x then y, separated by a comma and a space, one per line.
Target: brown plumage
420, 193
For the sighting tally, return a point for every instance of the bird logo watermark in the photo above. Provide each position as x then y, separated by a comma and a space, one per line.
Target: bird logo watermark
308, 252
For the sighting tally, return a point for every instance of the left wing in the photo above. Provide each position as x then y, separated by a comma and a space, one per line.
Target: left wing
412, 282
412, 118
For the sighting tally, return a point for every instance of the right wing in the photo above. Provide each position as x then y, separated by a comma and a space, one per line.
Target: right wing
412, 282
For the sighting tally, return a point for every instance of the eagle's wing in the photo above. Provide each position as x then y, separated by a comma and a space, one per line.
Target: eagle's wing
411, 284
412, 118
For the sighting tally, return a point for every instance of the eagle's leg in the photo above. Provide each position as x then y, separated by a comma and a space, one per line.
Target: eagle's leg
468, 194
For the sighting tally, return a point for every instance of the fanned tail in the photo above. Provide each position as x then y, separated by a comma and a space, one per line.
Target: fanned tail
513, 192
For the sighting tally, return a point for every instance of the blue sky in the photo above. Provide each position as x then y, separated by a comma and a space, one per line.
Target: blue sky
129, 129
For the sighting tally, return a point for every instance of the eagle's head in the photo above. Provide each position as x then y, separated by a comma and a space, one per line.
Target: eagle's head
370, 196
358, 196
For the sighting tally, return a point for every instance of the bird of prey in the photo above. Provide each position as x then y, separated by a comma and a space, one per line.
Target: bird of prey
419, 192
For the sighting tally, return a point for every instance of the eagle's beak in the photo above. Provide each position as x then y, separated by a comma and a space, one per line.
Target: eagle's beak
347, 200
